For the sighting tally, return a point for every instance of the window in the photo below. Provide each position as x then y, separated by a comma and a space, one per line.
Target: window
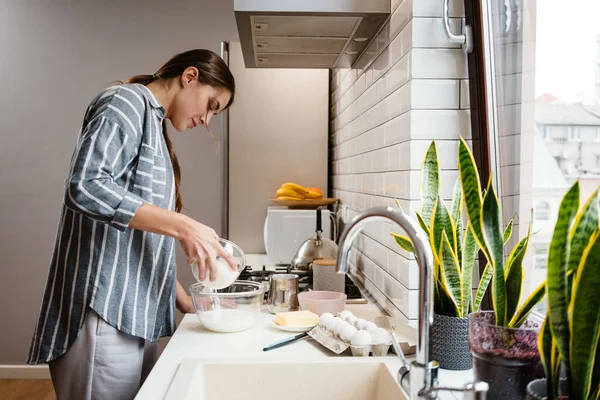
542, 211
573, 132
547, 131
535, 94
540, 257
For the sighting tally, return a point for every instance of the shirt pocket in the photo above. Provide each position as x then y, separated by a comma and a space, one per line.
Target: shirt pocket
159, 179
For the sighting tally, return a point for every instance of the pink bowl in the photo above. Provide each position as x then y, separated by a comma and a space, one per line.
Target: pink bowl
322, 301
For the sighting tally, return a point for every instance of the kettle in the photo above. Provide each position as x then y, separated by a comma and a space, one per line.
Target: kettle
316, 247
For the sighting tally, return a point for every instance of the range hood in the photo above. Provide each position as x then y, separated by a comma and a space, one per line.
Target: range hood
307, 33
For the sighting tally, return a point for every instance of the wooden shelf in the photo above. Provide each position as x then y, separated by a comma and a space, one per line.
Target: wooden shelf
307, 203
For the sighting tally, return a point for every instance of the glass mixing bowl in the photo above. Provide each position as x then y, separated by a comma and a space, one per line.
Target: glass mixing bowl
232, 309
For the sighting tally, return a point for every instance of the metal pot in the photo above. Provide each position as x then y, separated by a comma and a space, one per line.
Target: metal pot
314, 248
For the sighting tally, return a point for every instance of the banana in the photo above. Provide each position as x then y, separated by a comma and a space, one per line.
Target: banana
295, 187
288, 198
282, 192
313, 195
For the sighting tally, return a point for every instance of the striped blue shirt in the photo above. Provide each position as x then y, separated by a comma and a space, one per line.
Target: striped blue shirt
127, 276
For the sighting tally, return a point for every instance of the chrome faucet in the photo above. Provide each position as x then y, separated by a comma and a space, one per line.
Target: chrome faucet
419, 378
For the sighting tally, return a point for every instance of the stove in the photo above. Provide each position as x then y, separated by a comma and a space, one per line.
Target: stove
305, 280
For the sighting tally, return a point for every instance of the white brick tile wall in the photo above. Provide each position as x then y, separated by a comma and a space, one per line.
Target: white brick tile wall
438, 64
430, 32
436, 94
409, 89
433, 8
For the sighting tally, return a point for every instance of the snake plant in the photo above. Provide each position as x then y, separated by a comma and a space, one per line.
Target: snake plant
485, 217
455, 247
570, 335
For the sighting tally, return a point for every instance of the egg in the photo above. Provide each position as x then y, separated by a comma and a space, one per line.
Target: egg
352, 320
381, 336
370, 327
325, 318
340, 327
360, 324
347, 332
361, 338
332, 323
345, 315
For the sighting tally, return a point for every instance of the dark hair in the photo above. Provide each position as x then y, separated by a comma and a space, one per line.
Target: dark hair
212, 71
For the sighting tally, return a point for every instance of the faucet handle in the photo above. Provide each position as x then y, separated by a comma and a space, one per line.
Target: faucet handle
472, 391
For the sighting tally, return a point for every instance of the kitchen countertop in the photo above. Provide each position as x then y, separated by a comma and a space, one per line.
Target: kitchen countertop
193, 341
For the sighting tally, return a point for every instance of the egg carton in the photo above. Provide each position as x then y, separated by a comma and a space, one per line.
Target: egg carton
405, 334
339, 346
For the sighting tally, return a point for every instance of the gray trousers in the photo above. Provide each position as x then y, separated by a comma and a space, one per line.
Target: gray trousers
103, 363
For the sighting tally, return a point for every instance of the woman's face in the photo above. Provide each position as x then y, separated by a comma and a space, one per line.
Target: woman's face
196, 103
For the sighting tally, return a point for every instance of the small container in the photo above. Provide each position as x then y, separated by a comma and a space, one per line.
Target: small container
321, 302
283, 293
226, 275
326, 278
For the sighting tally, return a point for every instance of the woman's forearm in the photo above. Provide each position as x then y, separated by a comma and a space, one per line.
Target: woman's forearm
154, 219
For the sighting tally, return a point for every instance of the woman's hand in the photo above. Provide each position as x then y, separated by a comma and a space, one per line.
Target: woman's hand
200, 244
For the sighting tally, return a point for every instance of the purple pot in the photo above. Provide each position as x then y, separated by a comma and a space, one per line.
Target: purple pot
505, 358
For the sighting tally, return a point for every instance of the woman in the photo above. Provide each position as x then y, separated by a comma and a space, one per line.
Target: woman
112, 287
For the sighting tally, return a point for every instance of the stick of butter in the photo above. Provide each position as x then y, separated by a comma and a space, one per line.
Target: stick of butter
296, 318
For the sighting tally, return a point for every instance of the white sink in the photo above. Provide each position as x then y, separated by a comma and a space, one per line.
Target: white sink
334, 379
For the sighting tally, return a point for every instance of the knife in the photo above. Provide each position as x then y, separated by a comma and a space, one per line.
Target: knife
285, 341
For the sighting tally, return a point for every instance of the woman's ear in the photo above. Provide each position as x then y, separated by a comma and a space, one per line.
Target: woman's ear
189, 75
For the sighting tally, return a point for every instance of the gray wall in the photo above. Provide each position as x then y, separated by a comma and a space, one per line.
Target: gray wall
278, 133
54, 57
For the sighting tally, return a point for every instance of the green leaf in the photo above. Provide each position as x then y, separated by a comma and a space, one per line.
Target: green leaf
403, 242
450, 273
457, 205
441, 223
585, 320
586, 223
492, 233
471, 188
458, 230
514, 284
443, 304
523, 312
430, 182
556, 361
508, 230
519, 250
545, 348
468, 262
484, 281
596, 373
423, 224
557, 273
456, 201
514, 275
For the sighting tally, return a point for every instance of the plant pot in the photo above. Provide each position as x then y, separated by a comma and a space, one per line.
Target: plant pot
538, 389
450, 342
503, 357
